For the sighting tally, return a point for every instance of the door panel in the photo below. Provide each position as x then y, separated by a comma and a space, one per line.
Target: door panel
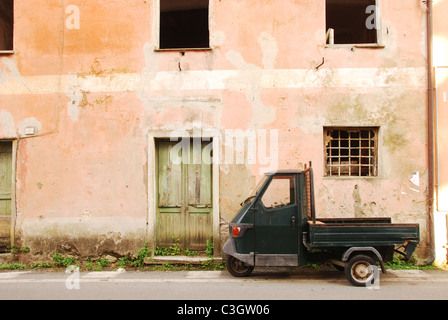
199, 176
276, 222
275, 232
169, 218
199, 195
5, 233
199, 227
170, 177
199, 185
169, 227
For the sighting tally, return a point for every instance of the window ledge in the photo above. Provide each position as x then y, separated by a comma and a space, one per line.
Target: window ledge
182, 49
352, 178
356, 45
7, 52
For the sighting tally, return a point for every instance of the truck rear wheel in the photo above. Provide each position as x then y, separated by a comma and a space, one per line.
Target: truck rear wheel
237, 267
360, 270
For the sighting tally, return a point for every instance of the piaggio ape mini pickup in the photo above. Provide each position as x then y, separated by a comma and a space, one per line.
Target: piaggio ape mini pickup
277, 226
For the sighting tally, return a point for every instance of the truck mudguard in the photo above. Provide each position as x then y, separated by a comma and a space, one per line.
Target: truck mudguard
347, 254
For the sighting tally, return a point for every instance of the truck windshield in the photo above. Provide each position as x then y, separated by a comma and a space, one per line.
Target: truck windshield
255, 191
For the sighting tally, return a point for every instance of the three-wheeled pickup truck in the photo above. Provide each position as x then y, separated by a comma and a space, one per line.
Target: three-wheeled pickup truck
277, 226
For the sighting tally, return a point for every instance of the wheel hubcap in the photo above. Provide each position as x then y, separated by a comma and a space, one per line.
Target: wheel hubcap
239, 266
362, 271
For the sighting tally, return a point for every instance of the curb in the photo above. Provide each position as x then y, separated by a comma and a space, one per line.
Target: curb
179, 260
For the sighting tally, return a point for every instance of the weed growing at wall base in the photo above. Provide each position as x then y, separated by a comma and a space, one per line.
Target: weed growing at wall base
412, 264
60, 260
210, 247
141, 255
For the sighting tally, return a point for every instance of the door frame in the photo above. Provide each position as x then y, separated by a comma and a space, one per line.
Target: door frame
189, 133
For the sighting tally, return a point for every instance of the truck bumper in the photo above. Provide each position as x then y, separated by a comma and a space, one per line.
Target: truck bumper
230, 249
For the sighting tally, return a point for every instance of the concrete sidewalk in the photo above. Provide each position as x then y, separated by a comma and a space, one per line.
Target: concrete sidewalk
416, 275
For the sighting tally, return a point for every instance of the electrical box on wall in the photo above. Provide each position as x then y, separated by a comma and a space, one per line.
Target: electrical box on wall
30, 131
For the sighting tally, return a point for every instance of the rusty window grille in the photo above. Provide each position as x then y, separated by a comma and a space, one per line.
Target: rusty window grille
351, 152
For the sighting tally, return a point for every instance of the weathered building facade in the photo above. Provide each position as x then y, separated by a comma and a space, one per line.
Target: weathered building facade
133, 121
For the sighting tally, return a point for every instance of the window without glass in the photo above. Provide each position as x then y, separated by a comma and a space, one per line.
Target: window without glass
184, 24
351, 152
6, 25
281, 192
351, 21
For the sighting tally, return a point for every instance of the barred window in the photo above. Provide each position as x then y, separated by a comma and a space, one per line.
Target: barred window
351, 152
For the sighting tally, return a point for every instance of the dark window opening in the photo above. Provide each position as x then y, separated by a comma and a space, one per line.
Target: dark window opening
6, 24
184, 24
351, 152
350, 22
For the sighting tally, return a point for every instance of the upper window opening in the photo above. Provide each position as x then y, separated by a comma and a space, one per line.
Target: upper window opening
351, 21
184, 24
6, 25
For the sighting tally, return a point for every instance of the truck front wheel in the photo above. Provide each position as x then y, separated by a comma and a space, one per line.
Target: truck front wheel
360, 270
237, 267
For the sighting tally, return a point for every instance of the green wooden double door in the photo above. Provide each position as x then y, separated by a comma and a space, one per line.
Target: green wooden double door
184, 191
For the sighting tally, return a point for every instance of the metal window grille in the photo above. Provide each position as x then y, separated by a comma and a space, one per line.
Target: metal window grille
351, 152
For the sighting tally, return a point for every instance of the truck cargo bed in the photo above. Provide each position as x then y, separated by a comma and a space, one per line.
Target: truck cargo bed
353, 220
359, 232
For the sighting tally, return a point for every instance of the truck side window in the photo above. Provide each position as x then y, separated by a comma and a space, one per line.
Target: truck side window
281, 192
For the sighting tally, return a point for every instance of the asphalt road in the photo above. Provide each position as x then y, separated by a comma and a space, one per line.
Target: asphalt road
219, 285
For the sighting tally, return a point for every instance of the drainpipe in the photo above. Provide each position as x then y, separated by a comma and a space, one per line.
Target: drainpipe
429, 23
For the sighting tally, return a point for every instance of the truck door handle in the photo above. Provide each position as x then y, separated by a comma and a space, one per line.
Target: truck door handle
293, 220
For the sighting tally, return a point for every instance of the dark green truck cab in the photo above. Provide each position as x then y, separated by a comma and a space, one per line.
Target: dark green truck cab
277, 226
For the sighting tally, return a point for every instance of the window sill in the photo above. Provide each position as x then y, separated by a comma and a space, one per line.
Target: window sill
7, 52
182, 49
356, 45
352, 178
